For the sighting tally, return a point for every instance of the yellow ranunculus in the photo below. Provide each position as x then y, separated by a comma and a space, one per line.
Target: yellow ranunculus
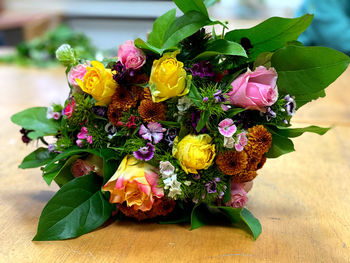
194, 152
99, 83
168, 78
134, 182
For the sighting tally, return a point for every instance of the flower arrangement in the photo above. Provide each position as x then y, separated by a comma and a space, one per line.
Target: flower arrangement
175, 129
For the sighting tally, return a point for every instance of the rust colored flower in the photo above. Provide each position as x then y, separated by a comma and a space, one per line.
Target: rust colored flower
232, 163
161, 207
123, 99
261, 163
151, 111
114, 114
259, 140
244, 176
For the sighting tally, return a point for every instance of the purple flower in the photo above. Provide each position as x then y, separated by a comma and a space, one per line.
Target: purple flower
219, 97
99, 111
51, 147
154, 131
270, 114
170, 136
202, 69
145, 153
122, 73
211, 187
205, 99
290, 105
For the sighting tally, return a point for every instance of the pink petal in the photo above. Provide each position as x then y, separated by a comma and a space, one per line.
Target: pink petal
155, 127
239, 147
89, 139
157, 137
152, 178
145, 133
225, 123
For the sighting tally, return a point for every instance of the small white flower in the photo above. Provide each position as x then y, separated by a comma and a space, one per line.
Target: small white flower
49, 112
173, 185
229, 142
184, 104
188, 183
166, 169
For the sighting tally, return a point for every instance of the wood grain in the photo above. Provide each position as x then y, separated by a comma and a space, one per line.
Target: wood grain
301, 199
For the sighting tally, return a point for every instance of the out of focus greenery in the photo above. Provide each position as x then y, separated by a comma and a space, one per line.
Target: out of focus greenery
40, 52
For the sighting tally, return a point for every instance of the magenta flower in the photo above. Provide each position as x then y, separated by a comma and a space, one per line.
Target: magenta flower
83, 135
154, 131
145, 153
69, 109
241, 141
227, 128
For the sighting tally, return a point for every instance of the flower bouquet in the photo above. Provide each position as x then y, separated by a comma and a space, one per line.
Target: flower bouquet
174, 129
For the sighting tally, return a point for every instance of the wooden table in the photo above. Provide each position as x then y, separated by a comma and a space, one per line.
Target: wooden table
302, 199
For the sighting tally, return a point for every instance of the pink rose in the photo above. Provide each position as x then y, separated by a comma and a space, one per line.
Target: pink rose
238, 196
255, 90
77, 72
130, 56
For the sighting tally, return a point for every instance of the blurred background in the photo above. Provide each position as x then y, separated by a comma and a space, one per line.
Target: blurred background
107, 23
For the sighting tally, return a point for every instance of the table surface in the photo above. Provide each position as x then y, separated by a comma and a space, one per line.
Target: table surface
301, 198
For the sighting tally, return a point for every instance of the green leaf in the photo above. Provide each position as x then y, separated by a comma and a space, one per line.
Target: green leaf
209, 3
35, 119
233, 112
184, 27
194, 95
280, 145
38, 158
264, 59
62, 174
192, 5
76, 209
160, 26
203, 214
170, 124
301, 100
295, 132
139, 43
310, 71
203, 120
271, 34
222, 47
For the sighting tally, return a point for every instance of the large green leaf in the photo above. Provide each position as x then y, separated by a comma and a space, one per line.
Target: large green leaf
280, 145
62, 172
306, 71
139, 43
209, 3
271, 34
35, 119
184, 27
160, 26
38, 158
295, 132
76, 209
192, 5
222, 47
204, 214
108, 155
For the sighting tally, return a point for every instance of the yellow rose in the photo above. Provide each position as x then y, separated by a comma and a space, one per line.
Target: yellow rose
168, 78
194, 152
99, 83
134, 182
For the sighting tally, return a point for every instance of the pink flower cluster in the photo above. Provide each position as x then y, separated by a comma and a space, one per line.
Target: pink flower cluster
82, 136
227, 129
